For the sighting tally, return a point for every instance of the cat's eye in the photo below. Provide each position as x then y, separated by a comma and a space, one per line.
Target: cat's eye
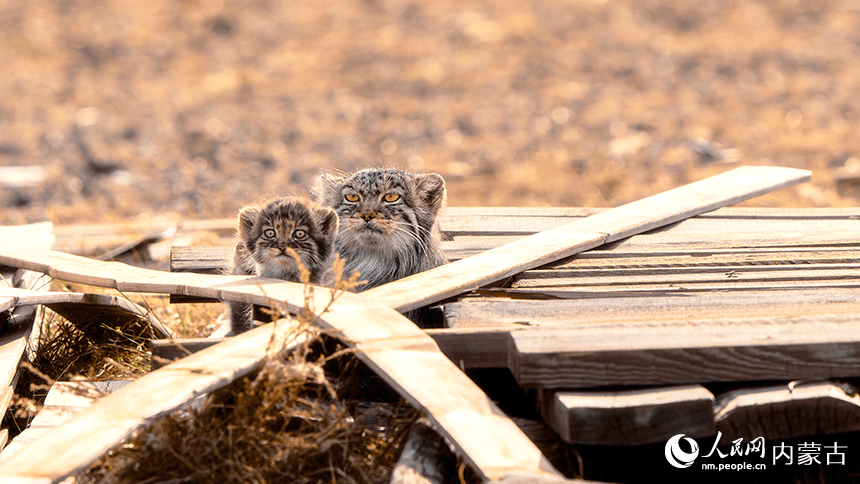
299, 234
391, 197
351, 197
269, 233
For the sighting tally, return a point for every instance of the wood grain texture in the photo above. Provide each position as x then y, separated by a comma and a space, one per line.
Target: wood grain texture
633, 417
782, 412
743, 349
403, 355
672, 206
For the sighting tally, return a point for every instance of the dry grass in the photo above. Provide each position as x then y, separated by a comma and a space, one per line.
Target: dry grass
293, 421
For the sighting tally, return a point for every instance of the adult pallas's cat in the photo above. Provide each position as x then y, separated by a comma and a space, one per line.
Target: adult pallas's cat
387, 222
266, 232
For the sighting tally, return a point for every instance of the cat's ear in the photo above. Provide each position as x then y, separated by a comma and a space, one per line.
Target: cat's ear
327, 220
326, 185
247, 219
431, 188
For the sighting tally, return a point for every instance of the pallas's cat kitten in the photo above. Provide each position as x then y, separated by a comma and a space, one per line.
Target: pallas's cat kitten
265, 233
387, 221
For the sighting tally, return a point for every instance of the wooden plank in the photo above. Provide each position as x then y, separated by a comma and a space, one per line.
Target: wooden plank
631, 417
14, 338
616, 259
674, 205
783, 412
64, 401
13, 343
86, 309
202, 260
404, 356
685, 277
743, 349
658, 307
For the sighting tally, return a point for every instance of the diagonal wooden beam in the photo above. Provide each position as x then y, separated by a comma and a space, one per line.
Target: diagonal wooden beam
551, 245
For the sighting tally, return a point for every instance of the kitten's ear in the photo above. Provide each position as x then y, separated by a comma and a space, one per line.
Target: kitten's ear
247, 219
431, 188
328, 221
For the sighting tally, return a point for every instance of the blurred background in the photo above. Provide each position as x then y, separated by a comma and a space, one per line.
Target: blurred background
115, 110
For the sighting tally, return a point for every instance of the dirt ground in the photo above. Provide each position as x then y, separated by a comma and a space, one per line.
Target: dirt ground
190, 109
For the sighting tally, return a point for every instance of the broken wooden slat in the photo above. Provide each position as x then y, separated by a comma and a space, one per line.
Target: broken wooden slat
467, 274
87, 309
390, 344
744, 349
631, 417
783, 412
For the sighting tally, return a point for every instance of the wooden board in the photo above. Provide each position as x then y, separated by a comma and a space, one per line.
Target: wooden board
783, 412
64, 401
632, 417
744, 349
551, 245
390, 344
14, 338
87, 310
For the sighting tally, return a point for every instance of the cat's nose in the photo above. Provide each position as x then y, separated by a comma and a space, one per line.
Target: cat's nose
367, 217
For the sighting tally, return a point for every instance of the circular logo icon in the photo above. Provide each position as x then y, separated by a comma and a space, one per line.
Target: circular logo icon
676, 456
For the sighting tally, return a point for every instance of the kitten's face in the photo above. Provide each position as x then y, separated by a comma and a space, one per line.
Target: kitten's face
299, 224
383, 210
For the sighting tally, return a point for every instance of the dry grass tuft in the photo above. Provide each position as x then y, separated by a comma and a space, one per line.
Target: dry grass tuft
62, 351
296, 420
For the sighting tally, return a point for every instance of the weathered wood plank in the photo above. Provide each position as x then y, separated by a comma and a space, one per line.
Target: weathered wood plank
15, 336
631, 417
64, 401
783, 412
389, 344
619, 307
87, 309
744, 349
727, 277
467, 274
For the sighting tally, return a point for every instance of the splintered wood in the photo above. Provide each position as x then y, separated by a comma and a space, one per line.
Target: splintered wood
545, 349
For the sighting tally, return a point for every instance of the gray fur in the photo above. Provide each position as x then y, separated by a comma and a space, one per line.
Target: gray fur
265, 231
386, 240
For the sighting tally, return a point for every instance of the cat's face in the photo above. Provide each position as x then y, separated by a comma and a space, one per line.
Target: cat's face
299, 224
383, 209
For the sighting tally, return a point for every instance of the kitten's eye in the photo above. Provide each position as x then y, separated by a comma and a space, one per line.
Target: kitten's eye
299, 234
391, 197
351, 197
269, 233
